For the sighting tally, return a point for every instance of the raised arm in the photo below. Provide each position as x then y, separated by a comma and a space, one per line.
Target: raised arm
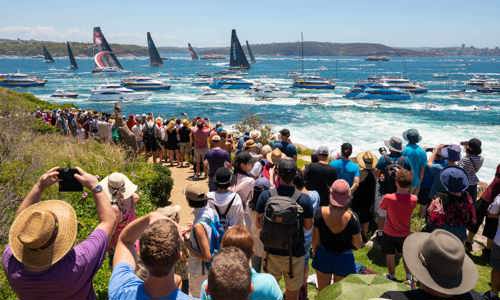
34, 196
105, 213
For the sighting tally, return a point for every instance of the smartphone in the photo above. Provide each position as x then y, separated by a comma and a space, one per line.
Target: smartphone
68, 182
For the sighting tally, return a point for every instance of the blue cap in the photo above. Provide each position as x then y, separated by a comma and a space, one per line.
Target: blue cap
454, 179
451, 152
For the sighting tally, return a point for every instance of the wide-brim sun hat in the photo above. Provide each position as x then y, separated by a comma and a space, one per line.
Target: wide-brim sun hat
454, 179
439, 262
340, 193
275, 156
394, 144
366, 160
196, 195
118, 183
255, 134
171, 211
43, 233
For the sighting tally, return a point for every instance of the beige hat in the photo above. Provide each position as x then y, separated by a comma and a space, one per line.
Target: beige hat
255, 134
249, 144
266, 149
366, 160
171, 211
216, 138
275, 156
43, 233
118, 183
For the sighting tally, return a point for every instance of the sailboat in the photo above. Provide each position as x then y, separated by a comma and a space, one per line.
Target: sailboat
46, 55
105, 60
154, 57
250, 53
72, 60
238, 59
310, 82
194, 55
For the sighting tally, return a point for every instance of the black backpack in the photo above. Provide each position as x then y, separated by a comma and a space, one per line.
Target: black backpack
223, 216
149, 133
257, 190
388, 184
282, 227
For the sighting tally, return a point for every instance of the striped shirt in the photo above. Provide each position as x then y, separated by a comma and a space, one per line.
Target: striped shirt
471, 164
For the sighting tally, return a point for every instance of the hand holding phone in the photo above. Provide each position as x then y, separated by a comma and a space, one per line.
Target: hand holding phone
67, 180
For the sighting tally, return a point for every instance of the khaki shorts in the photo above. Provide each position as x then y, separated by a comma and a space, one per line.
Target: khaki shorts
185, 149
278, 266
199, 154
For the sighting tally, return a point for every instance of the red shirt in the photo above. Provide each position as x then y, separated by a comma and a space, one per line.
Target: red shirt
399, 208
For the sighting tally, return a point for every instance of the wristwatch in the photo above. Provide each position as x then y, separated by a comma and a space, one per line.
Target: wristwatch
97, 189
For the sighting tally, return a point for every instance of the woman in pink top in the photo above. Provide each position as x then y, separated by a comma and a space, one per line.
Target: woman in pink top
121, 191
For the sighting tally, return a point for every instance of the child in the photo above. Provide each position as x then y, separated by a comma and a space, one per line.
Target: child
399, 207
227, 204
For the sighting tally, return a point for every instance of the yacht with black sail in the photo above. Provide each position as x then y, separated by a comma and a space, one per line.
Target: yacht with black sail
72, 61
250, 53
105, 60
154, 57
194, 55
47, 56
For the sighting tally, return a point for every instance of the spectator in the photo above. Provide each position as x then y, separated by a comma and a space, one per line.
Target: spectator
200, 136
214, 159
264, 286
151, 135
363, 198
345, 168
425, 254
399, 207
452, 210
230, 277
441, 157
472, 163
242, 183
494, 210
184, 143
227, 204
261, 184
319, 176
285, 261
336, 233
285, 145
159, 252
40, 261
138, 129
172, 142
416, 157
269, 170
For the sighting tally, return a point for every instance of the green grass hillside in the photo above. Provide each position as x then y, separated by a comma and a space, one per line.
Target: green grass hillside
28, 148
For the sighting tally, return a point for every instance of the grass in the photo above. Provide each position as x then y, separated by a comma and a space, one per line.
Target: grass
28, 148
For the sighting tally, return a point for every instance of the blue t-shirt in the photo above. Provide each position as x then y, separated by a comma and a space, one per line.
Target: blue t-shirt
289, 149
346, 169
125, 285
418, 159
216, 158
264, 287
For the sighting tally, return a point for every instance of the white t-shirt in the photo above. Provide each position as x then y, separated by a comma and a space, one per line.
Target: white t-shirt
236, 213
137, 130
203, 213
494, 209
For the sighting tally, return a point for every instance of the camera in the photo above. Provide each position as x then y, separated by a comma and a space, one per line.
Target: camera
68, 182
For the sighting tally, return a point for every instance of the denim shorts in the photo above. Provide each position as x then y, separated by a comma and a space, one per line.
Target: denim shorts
341, 264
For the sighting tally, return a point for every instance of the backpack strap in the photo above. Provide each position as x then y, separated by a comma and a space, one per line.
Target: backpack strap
296, 195
273, 192
227, 209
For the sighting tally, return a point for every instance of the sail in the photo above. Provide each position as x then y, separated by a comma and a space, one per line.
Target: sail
154, 57
237, 56
250, 53
101, 44
194, 55
72, 60
46, 55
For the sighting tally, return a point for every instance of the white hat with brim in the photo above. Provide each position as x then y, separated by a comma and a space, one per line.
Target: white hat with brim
433, 257
118, 182
43, 233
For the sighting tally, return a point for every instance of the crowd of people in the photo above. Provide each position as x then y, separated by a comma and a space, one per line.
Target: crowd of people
261, 218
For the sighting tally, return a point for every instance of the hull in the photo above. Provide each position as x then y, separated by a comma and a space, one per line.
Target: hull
313, 86
231, 86
120, 97
165, 87
369, 96
22, 84
68, 96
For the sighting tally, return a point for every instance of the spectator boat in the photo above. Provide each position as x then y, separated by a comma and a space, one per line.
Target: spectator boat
400, 83
377, 91
116, 92
490, 88
230, 82
64, 94
377, 58
144, 83
20, 80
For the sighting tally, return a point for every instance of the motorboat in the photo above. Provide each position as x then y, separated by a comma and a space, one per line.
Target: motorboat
313, 100
110, 71
202, 81
490, 88
20, 80
400, 83
208, 92
377, 58
440, 75
268, 90
116, 92
230, 82
64, 94
312, 82
377, 91
478, 81
144, 83
213, 56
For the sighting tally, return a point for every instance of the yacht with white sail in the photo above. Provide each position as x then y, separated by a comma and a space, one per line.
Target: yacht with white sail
105, 60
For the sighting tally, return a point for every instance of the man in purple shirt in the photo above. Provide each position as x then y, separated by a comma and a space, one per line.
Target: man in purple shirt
214, 159
40, 261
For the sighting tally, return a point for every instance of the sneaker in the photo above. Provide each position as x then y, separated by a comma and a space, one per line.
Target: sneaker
390, 277
489, 296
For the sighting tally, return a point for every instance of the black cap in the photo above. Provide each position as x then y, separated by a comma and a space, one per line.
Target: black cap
287, 166
222, 176
474, 146
285, 132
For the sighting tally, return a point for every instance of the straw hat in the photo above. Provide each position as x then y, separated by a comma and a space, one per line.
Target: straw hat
249, 144
275, 156
366, 160
118, 183
43, 233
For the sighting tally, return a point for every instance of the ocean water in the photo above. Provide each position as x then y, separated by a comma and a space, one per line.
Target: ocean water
440, 115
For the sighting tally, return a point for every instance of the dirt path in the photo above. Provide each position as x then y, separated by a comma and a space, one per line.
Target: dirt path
182, 179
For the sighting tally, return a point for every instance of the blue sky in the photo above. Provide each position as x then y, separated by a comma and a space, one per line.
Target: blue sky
208, 23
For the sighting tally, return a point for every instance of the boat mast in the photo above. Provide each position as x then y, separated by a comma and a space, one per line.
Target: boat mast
302, 52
